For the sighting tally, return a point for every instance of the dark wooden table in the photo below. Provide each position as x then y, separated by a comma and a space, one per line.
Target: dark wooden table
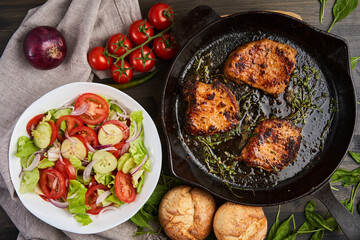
149, 94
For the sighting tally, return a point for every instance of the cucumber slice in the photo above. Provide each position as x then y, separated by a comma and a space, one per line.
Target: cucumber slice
110, 134
128, 165
106, 162
42, 135
76, 148
122, 160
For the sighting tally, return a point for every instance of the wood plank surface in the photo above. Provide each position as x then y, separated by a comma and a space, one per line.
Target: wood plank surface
12, 13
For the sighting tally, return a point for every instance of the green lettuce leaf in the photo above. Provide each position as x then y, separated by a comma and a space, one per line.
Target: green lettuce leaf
29, 180
45, 163
21, 143
105, 178
75, 162
83, 218
77, 203
27, 148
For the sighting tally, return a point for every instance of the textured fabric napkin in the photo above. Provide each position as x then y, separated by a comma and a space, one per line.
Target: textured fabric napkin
84, 23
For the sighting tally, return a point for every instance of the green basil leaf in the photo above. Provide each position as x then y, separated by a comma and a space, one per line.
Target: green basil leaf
306, 227
318, 235
355, 155
274, 227
322, 10
316, 220
284, 229
331, 223
140, 220
158, 194
291, 237
353, 61
341, 9
310, 206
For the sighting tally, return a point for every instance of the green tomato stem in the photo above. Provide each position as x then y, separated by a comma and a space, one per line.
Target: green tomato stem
133, 83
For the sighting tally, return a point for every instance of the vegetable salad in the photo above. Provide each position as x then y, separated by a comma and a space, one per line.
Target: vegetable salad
87, 156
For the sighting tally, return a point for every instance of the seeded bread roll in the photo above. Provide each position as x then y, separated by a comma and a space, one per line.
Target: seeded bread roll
234, 221
187, 213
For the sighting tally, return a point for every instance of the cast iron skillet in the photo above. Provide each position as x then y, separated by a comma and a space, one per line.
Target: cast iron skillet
329, 51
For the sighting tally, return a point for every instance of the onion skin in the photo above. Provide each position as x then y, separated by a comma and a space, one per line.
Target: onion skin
45, 47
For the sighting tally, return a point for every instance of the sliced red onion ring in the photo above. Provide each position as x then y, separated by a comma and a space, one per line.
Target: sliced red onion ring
135, 135
87, 171
58, 204
61, 159
34, 163
80, 110
108, 208
108, 149
133, 171
109, 133
91, 149
98, 147
102, 197
124, 149
68, 137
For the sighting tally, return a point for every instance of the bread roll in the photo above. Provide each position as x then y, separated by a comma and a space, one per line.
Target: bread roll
235, 221
187, 213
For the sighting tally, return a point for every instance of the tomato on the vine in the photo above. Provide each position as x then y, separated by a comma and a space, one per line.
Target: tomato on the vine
121, 74
142, 59
140, 31
165, 47
98, 60
118, 44
160, 16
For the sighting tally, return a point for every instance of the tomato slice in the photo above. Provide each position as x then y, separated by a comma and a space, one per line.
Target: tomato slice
123, 127
53, 132
87, 133
124, 188
91, 196
118, 147
66, 169
71, 122
52, 183
33, 123
97, 111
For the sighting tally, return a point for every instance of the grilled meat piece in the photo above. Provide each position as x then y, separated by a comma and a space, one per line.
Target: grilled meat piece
274, 145
212, 108
262, 64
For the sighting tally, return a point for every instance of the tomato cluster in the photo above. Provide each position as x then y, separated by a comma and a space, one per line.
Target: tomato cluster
125, 54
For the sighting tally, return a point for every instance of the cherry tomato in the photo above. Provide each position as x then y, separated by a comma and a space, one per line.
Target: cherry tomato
52, 183
33, 123
98, 60
123, 127
118, 44
160, 16
91, 196
121, 75
142, 60
140, 31
165, 47
124, 188
87, 133
97, 111
53, 132
118, 147
71, 122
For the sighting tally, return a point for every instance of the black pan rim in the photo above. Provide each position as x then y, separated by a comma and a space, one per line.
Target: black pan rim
234, 16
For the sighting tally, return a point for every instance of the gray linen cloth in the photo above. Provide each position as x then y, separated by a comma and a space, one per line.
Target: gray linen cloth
85, 24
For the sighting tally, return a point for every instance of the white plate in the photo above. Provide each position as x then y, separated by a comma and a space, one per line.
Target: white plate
61, 218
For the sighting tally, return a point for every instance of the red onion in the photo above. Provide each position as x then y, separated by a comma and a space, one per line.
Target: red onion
102, 197
107, 208
80, 110
91, 149
58, 204
45, 47
133, 171
98, 147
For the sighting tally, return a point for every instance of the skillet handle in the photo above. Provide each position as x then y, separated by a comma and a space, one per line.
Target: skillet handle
347, 222
192, 23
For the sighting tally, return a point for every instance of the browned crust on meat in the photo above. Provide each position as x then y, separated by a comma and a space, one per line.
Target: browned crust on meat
274, 145
212, 108
263, 64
